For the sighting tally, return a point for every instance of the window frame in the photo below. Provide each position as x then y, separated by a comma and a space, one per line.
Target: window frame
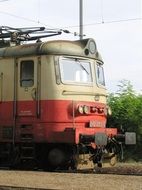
29, 81
100, 84
75, 82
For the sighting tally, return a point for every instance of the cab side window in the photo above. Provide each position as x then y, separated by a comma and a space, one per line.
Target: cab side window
27, 73
100, 75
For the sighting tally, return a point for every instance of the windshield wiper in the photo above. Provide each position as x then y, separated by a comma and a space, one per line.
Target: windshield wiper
79, 63
84, 68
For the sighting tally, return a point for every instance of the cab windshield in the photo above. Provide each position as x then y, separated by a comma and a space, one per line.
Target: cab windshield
75, 70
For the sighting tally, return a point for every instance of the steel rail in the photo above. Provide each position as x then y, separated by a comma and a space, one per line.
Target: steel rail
5, 187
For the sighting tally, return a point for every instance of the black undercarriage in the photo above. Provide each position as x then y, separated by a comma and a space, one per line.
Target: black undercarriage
29, 155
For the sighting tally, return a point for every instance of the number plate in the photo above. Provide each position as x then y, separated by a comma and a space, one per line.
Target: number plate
96, 123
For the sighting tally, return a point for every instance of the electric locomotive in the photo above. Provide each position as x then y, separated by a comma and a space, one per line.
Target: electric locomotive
53, 108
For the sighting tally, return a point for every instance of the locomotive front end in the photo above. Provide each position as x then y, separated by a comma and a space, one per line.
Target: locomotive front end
79, 111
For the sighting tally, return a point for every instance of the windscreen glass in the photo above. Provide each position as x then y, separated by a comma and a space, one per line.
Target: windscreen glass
75, 71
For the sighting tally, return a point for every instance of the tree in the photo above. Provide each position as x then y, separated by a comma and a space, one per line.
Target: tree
123, 105
126, 110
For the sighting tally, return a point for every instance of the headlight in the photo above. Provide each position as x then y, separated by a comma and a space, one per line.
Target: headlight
80, 109
92, 46
86, 109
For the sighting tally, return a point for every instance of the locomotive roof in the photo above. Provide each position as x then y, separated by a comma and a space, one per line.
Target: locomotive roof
83, 48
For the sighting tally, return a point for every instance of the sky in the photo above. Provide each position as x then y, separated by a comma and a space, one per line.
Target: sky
116, 25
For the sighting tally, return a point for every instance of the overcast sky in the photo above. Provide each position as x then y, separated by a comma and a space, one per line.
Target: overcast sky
116, 25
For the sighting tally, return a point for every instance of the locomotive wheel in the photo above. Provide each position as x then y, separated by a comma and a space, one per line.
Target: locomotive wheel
57, 158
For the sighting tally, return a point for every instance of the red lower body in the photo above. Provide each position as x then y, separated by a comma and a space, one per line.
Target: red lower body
50, 121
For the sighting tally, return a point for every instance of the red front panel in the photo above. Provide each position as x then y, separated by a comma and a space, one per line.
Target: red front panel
58, 120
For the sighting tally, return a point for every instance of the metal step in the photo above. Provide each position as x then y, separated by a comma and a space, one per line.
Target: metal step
27, 137
27, 148
27, 158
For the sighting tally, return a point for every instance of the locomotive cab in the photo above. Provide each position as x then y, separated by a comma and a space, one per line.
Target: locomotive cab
53, 107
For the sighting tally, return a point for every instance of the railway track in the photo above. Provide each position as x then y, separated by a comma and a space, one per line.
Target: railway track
135, 170
131, 171
4, 187
119, 169
113, 171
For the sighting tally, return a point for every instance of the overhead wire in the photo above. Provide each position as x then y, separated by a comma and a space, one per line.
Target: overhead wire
24, 18
72, 26
102, 11
104, 22
3, 0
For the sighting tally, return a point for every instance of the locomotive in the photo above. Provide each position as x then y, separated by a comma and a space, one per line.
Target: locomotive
53, 108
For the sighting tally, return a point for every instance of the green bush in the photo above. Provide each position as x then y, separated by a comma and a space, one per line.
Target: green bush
126, 115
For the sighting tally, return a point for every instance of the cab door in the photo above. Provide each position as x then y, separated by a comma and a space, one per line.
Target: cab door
28, 81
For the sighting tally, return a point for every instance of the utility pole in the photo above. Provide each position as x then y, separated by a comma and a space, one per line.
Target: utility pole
81, 19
